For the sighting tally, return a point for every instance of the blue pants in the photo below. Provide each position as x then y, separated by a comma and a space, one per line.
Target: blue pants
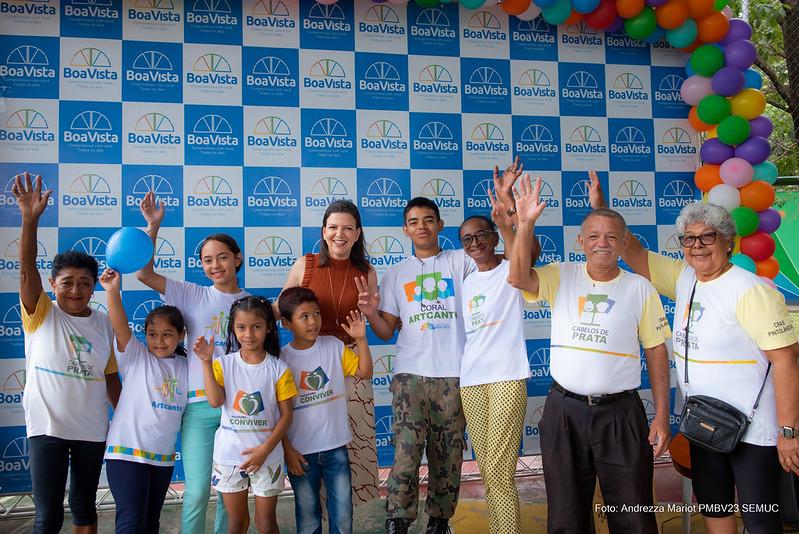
49, 460
333, 467
200, 422
139, 491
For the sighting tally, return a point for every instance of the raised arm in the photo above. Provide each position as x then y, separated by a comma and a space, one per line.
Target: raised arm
634, 255
153, 211
214, 392
32, 203
110, 280
503, 218
356, 329
503, 186
383, 324
529, 208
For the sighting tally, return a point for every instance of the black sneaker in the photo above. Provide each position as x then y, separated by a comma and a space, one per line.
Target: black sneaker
397, 526
437, 525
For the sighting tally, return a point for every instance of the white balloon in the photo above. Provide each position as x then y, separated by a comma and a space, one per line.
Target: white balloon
727, 12
530, 13
726, 196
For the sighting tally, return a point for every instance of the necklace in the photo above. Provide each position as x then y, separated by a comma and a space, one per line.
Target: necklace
343, 287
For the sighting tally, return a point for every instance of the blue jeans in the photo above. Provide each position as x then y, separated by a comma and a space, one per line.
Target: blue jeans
139, 491
200, 422
333, 467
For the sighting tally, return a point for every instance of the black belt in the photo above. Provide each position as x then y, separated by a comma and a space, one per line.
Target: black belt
591, 400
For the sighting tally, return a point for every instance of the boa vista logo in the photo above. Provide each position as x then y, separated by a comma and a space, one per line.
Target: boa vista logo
381, 19
313, 380
211, 69
154, 11
34, 7
90, 64
27, 61
270, 14
27, 125
248, 403
485, 26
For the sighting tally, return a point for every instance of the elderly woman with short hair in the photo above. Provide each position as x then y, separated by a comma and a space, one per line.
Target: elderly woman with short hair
737, 326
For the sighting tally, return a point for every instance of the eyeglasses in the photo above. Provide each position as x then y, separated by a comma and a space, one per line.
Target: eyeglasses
81, 286
706, 239
482, 236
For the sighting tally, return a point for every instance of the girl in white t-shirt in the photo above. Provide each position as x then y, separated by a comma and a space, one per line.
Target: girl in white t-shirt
140, 448
205, 309
255, 390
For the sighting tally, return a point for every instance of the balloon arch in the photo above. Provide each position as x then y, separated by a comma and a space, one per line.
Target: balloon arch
722, 89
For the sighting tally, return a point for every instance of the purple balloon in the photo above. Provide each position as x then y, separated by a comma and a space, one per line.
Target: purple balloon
761, 127
769, 220
655, 3
728, 81
739, 29
715, 152
616, 25
754, 150
740, 54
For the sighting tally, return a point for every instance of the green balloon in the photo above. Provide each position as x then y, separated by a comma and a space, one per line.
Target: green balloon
706, 60
713, 109
718, 5
746, 220
744, 262
427, 3
733, 130
558, 12
642, 25
765, 172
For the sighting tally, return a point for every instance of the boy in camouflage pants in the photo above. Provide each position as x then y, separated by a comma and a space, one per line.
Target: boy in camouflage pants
423, 292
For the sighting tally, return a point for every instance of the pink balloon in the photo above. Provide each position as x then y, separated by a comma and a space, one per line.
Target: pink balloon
768, 281
727, 12
736, 172
695, 88
326, 2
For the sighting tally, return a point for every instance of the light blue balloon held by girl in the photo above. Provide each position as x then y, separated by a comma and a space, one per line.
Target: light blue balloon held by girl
128, 250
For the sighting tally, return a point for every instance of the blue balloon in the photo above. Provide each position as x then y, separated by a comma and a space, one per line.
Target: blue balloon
545, 3
753, 79
128, 250
656, 35
688, 70
585, 6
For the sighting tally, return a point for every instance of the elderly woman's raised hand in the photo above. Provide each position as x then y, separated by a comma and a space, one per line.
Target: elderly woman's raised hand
367, 301
529, 205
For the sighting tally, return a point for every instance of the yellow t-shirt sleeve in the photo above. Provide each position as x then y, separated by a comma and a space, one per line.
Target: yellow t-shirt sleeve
218, 374
654, 327
349, 361
31, 322
111, 366
763, 314
664, 272
548, 283
285, 387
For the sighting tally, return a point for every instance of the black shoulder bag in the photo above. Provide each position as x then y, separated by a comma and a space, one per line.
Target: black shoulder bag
708, 422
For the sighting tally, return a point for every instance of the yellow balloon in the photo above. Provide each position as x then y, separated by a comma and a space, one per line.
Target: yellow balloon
711, 133
749, 103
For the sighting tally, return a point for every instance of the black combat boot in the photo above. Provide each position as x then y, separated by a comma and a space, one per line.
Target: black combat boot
437, 525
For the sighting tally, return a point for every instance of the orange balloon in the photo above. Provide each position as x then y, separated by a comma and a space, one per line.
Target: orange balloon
699, 9
627, 9
707, 177
514, 7
757, 195
672, 14
697, 123
574, 18
769, 267
712, 28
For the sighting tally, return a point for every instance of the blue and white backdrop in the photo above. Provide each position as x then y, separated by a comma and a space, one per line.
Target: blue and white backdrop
251, 117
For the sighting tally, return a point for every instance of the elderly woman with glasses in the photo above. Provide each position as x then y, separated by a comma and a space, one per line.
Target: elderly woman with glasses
739, 338
494, 368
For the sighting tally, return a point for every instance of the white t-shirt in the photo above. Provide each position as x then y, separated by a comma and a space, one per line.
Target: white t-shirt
250, 411
66, 360
597, 327
147, 419
492, 313
734, 318
206, 311
425, 295
320, 410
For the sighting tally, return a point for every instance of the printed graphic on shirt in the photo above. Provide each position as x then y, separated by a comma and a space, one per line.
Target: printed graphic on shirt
593, 308
690, 317
217, 328
315, 388
168, 390
77, 367
476, 317
248, 404
429, 287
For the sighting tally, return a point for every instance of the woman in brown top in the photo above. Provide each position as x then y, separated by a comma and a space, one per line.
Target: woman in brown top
331, 275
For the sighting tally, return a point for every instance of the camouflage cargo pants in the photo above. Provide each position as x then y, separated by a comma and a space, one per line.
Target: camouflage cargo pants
427, 417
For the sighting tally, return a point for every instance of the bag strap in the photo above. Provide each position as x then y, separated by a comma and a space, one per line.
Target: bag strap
687, 329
